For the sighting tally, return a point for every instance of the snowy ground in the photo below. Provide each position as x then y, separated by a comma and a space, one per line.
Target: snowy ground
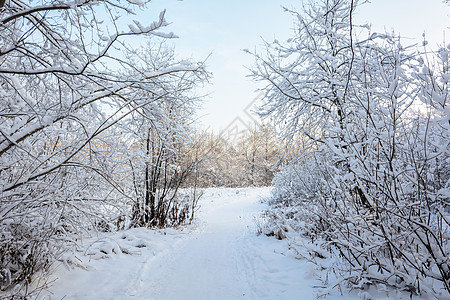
218, 257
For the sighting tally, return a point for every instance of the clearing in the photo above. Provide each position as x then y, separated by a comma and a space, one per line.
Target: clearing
218, 257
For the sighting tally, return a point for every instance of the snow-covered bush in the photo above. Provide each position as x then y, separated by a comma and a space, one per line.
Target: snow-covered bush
399, 244
302, 188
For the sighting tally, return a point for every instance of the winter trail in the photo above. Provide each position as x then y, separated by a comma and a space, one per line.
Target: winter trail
222, 258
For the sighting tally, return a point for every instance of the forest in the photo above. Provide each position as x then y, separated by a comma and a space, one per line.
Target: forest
99, 135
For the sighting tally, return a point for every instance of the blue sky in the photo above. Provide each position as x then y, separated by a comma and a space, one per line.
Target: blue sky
224, 28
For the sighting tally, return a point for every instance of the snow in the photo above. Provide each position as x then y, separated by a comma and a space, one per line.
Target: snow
220, 256
137, 2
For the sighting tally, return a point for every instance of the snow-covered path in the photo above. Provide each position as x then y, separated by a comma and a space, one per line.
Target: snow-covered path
224, 259
221, 258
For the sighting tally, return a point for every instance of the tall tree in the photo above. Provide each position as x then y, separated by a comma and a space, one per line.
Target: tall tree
64, 84
370, 164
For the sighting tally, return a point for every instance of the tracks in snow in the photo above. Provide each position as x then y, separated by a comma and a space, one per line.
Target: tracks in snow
220, 257
225, 259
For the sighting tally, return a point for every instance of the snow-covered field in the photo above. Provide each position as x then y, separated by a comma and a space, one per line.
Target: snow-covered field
220, 256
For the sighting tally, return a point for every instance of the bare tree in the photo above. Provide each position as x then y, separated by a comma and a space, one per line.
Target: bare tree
371, 175
64, 85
